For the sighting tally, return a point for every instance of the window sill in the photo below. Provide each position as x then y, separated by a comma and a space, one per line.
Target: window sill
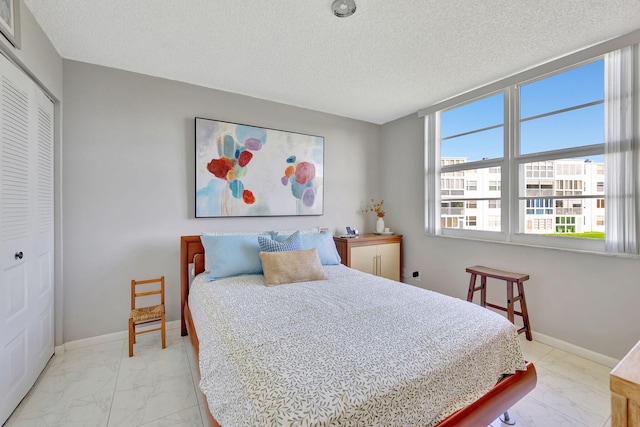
535, 245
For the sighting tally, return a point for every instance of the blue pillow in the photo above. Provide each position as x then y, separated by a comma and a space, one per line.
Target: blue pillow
292, 243
323, 242
231, 255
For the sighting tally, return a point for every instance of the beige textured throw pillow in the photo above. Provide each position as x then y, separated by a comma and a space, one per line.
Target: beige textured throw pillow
291, 267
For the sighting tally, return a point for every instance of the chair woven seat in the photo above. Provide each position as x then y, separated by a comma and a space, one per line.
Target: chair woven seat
147, 313
139, 316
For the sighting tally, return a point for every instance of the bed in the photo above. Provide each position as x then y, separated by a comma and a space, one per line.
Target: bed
329, 390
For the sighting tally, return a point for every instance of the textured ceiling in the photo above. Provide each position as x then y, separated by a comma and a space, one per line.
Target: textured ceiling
388, 60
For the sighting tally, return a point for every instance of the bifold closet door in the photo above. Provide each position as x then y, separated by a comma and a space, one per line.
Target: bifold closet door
26, 234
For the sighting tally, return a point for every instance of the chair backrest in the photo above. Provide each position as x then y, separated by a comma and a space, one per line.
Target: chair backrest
135, 294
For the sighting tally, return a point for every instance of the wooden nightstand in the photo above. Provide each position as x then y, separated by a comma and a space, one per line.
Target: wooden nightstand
372, 253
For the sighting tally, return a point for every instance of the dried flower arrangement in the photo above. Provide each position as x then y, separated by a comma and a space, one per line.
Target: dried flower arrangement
375, 207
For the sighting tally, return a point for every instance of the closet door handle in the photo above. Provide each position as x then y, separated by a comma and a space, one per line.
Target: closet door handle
19, 255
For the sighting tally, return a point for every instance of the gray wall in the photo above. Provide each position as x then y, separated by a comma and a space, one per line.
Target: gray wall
587, 300
128, 181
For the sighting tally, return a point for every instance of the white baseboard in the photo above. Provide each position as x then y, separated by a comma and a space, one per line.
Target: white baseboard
71, 345
574, 349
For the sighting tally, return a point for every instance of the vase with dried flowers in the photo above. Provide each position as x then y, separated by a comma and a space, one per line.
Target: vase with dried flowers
377, 208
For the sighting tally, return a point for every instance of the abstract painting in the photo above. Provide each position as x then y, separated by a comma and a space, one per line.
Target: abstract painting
244, 170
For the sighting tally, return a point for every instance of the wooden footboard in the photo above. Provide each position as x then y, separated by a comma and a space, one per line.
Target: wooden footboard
480, 413
498, 400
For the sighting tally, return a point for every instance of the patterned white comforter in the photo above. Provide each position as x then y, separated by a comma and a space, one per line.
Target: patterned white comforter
351, 350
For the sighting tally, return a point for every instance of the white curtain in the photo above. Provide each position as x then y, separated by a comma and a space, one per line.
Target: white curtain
432, 181
622, 136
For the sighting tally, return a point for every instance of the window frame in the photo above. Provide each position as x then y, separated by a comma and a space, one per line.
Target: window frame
513, 173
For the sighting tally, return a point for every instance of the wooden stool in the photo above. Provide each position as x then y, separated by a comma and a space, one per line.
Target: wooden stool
511, 279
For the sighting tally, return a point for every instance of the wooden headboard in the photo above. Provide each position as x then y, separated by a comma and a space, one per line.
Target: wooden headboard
191, 252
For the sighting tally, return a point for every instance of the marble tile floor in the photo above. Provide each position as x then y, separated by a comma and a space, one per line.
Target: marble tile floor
100, 385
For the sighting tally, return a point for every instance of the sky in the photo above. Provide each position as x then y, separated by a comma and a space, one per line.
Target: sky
584, 126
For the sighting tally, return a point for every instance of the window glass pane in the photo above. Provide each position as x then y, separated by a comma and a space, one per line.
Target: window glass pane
552, 206
472, 213
575, 128
480, 114
580, 126
474, 131
581, 85
487, 144
484, 215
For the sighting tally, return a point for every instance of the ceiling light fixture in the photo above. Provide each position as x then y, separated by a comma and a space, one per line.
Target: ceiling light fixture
343, 8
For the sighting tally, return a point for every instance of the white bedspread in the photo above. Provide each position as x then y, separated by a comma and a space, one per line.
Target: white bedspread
351, 350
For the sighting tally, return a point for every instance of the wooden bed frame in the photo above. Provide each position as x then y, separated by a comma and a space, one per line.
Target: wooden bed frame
482, 412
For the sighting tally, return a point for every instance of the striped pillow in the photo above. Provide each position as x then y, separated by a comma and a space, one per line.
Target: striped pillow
292, 243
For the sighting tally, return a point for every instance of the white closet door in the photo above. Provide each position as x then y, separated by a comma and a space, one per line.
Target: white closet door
43, 262
26, 234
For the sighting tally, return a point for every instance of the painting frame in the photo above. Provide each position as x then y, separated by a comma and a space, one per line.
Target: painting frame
244, 170
10, 21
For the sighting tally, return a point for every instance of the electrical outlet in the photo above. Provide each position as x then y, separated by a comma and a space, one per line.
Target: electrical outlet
416, 275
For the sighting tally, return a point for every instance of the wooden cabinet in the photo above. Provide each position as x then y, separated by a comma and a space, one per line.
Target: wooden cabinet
625, 391
373, 253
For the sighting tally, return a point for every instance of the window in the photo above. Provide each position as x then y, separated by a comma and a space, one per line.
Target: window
452, 186
544, 164
542, 134
449, 222
539, 170
452, 208
494, 185
539, 207
464, 143
544, 225
565, 224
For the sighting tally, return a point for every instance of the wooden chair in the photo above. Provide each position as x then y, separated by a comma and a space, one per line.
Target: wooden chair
144, 315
